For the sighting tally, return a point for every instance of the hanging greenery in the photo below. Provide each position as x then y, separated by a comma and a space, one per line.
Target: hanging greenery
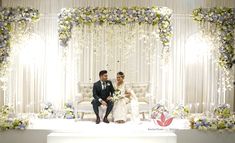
8, 16
155, 16
222, 22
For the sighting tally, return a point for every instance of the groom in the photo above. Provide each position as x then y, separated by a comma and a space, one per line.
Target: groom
102, 93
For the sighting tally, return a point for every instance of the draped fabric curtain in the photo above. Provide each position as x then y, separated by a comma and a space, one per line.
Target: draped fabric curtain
40, 73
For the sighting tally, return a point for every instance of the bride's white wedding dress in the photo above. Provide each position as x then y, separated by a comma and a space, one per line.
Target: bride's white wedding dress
120, 108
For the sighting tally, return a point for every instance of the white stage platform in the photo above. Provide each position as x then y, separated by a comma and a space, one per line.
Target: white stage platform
105, 137
41, 130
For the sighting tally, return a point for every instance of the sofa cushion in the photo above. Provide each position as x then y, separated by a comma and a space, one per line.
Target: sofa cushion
86, 91
140, 89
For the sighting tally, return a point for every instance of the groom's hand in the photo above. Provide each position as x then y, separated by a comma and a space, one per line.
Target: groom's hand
103, 103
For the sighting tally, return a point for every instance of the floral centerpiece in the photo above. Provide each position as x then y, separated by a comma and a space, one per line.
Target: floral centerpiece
223, 111
181, 111
8, 121
69, 111
47, 111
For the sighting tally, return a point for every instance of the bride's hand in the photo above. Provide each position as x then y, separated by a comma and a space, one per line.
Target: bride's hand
109, 98
128, 95
103, 103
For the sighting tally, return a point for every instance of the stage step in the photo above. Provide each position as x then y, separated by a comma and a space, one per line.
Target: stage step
155, 137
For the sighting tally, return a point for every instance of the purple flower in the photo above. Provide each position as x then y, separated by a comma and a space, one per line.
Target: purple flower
1, 24
130, 11
88, 18
119, 12
98, 14
22, 126
215, 17
69, 105
141, 19
69, 116
111, 18
203, 119
147, 12
230, 125
2, 45
197, 124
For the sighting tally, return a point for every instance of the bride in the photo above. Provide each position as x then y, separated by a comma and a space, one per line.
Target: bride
124, 97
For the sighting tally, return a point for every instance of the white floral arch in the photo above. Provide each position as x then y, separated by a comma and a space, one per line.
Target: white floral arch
9, 18
155, 16
222, 26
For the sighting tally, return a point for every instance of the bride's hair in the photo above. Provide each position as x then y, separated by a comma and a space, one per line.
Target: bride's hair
121, 74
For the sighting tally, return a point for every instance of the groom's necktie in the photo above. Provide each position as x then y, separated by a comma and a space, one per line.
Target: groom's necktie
104, 85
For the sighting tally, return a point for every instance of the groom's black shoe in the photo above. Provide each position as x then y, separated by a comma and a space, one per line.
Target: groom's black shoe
105, 120
97, 120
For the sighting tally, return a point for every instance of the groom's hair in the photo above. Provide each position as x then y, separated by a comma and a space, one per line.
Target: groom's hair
102, 73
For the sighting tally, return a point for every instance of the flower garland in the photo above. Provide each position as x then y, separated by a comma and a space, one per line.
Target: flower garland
181, 111
8, 16
156, 16
9, 121
223, 20
205, 123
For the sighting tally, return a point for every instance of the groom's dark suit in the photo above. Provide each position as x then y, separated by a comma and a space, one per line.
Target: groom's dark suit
102, 93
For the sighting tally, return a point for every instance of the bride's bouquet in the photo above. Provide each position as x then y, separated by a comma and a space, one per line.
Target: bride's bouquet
116, 95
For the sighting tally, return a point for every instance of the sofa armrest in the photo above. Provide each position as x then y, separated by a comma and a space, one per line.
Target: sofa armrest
147, 98
78, 98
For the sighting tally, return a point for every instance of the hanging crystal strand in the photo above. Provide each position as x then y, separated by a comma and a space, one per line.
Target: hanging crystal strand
3, 80
96, 50
105, 47
223, 87
98, 45
210, 33
91, 78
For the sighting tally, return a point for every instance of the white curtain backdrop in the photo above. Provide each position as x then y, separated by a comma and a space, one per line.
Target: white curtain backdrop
39, 74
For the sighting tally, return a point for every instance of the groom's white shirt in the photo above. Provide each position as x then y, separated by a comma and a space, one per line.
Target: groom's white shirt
103, 87
103, 84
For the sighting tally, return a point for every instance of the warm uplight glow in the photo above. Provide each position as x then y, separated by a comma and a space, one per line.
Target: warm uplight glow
197, 47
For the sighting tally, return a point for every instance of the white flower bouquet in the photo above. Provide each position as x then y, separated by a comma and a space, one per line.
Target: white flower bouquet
117, 95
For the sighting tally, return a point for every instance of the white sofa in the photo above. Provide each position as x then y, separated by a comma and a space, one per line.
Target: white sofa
85, 97
144, 97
